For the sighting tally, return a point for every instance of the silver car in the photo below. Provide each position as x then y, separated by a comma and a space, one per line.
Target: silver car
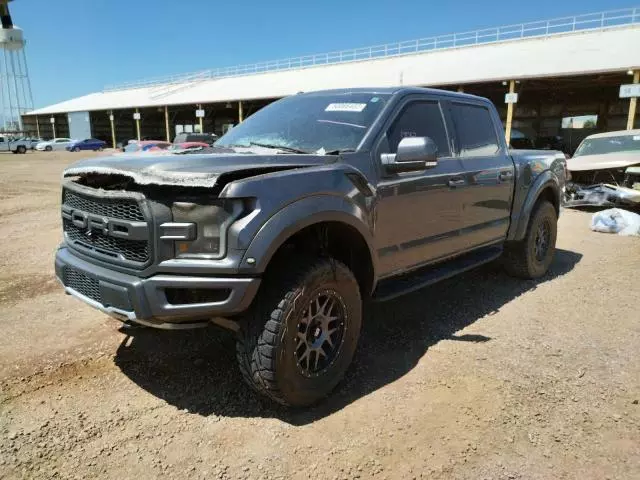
55, 144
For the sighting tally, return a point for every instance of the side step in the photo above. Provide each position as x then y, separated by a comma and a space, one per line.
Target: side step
415, 280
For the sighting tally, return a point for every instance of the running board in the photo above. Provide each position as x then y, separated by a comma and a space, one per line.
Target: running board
410, 282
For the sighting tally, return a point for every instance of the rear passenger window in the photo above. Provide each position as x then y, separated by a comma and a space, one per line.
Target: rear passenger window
420, 119
475, 131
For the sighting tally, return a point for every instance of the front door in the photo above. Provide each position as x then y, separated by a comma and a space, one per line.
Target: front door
418, 213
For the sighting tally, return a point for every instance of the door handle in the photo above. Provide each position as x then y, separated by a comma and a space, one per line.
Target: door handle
503, 176
457, 182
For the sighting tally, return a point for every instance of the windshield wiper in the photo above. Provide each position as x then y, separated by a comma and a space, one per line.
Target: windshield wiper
279, 147
339, 151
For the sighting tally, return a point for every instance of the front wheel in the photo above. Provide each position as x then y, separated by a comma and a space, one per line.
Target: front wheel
299, 338
532, 256
48, 148
76, 149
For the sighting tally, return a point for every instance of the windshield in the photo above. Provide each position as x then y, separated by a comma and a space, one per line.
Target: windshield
309, 123
599, 146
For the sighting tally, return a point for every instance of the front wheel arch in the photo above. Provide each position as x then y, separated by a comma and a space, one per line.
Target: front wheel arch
294, 221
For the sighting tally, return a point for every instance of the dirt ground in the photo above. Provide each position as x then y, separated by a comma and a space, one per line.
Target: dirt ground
480, 377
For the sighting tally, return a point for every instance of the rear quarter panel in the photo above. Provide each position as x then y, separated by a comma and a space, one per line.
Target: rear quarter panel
536, 171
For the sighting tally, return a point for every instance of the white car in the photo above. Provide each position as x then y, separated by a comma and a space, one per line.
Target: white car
55, 144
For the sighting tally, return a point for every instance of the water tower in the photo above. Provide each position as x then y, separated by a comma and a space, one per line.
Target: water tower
15, 88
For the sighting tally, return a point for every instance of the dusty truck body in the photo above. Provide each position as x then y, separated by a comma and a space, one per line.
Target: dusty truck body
296, 217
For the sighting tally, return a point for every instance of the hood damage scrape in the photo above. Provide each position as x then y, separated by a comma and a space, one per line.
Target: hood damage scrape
148, 176
203, 171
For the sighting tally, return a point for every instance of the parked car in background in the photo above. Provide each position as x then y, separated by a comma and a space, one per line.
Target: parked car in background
146, 146
30, 142
207, 138
520, 140
188, 146
87, 144
554, 142
7, 144
605, 156
603, 171
35, 141
55, 144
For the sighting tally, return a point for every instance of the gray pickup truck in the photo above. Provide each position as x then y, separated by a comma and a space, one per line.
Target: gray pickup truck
295, 218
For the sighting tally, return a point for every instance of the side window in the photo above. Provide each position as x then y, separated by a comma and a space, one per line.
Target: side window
1, 139
475, 130
420, 119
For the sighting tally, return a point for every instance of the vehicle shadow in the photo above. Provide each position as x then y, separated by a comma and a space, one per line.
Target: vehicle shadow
196, 370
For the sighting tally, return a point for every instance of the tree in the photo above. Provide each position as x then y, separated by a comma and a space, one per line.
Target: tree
589, 124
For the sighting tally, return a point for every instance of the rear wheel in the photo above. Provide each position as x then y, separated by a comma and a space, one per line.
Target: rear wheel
532, 256
21, 149
300, 336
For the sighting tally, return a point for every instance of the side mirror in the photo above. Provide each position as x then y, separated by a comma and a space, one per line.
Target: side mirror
414, 154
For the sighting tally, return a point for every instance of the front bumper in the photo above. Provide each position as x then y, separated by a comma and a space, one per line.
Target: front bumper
144, 300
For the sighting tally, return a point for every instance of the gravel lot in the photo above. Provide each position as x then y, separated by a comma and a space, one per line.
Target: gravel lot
481, 376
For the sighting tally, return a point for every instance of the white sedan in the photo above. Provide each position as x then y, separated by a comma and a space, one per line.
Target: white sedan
55, 144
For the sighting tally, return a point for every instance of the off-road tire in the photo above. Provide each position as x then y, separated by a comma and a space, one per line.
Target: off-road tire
519, 258
266, 345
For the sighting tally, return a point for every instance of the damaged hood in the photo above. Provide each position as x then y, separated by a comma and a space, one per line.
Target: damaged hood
603, 162
196, 170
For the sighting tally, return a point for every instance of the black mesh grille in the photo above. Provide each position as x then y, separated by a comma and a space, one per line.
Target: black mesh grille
100, 242
133, 250
83, 284
115, 208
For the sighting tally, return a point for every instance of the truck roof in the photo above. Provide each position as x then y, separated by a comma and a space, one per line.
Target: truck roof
394, 90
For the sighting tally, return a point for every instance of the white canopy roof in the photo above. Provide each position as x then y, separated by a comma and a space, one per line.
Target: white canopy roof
576, 53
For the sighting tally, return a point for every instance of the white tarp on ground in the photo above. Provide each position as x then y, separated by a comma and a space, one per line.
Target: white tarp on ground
616, 220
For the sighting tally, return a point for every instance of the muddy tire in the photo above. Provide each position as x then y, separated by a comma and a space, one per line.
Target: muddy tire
531, 257
297, 341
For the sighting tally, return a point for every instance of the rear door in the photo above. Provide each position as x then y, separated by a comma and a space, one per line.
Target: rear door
487, 190
418, 213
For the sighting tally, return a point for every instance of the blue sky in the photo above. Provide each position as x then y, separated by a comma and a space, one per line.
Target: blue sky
78, 46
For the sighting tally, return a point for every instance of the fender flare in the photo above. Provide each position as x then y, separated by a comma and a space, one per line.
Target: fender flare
301, 214
520, 221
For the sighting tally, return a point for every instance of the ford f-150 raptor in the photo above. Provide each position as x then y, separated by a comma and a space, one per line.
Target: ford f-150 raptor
312, 206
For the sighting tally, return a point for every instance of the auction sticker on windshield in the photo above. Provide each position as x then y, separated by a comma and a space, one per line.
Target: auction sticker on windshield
345, 107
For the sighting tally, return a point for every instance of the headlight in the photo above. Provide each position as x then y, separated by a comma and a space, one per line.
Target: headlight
211, 224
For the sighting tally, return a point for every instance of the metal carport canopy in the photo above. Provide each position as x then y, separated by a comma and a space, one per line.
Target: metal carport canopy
567, 54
